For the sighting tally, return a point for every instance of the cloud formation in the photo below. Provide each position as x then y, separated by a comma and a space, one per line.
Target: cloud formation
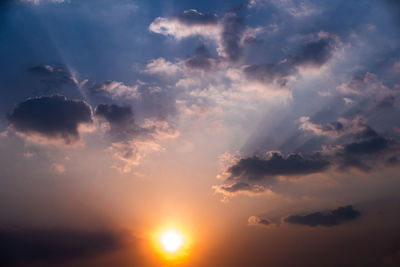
239, 187
227, 33
268, 73
52, 117
254, 220
275, 164
114, 114
328, 219
233, 29
193, 17
201, 60
53, 76
113, 90
190, 23
357, 127
314, 53
359, 147
368, 88
130, 141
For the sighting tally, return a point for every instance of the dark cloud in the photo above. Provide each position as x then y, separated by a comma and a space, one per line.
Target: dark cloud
386, 102
268, 72
231, 36
365, 150
51, 116
367, 132
30, 246
331, 218
250, 40
100, 88
121, 120
369, 146
315, 53
369, 152
53, 76
335, 127
264, 222
201, 60
193, 17
257, 168
114, 114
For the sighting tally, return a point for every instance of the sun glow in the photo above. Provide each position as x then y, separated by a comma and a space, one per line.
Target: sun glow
173, 243
171, 240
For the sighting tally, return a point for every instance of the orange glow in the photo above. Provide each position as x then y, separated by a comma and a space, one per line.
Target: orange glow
172, 243
172, 240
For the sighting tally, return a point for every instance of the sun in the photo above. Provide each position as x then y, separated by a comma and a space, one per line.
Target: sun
171, 240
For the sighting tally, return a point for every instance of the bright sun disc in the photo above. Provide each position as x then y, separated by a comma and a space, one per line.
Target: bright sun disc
171, 240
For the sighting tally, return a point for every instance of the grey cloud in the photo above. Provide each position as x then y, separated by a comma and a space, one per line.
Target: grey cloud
314, 53
231, 36
369, 146
114, 114
328, 219
367, 153
121, 120
366, 149
366, 85
257, 168
51, 116
264, 222
201, 60
227, 32
386, 102
53, 76
269, 72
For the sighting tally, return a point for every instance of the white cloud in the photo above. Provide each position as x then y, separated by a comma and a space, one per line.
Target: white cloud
162, 66
115, 89
179, 30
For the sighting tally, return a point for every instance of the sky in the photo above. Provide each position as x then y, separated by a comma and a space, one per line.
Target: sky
265, 132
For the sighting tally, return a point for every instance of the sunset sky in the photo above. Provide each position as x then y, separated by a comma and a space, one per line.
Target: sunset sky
200, 133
